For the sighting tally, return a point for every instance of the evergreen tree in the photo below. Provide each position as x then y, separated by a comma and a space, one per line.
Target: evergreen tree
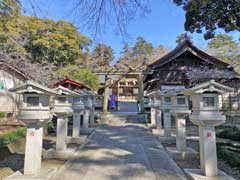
102, 55
126, 52
142, 47
182, 37
9, 11
225, 48
211, 15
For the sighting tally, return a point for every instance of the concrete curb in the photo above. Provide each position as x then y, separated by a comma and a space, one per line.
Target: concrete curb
177, 169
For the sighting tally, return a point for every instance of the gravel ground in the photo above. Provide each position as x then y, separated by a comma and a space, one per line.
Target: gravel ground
11, 164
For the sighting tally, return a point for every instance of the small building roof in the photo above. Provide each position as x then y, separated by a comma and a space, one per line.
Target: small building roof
75, 85
14, 70
184, 46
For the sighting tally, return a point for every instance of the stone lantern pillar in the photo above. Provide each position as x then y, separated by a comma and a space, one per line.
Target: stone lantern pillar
86, 114
153, 110
63, 108
92, 111
180, 110
34, 112
78, 106
156, 105
166, 107
206, 114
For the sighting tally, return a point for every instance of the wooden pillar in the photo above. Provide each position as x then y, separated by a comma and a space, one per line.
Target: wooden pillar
141, 94
106, 94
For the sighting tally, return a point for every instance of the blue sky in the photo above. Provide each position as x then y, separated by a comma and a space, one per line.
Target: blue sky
161, 26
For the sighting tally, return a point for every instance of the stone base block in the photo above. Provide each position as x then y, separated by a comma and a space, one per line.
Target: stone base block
196, 174
167, 139
151, 125
44, 174
104, 117
18, 146
188, 154
86, 131
158, 131
62, 155
142, 117
76, 140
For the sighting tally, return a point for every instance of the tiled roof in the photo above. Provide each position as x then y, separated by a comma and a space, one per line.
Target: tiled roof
75, 83
184, 46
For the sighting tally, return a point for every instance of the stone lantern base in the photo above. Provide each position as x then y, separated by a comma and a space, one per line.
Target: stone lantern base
189, 153
76, 140
86, 131
44, 174
66, 154
167, 139
158, 131
196, 174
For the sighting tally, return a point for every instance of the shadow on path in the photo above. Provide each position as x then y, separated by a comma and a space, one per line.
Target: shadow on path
127, 151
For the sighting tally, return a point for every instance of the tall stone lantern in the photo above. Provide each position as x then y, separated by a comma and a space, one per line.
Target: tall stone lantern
92, 96
166, 107
180, 110
153, 110
158, 113
78, 108
34, 112
63, 108
88, 103
206, 115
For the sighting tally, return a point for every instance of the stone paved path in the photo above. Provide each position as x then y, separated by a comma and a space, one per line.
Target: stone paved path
125, 152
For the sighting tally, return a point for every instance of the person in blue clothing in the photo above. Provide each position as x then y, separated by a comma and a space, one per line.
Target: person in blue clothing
112, 102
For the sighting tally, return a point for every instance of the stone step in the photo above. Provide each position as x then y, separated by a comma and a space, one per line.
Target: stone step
120, 118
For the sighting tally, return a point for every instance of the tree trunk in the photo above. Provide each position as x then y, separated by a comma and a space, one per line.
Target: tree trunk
106, 95
141, 94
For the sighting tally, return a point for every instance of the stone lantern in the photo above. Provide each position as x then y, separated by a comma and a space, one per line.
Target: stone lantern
63, 108
180, 110
157, 105
153, 110
206, 114
88, 103
157, 116
92, 96
78, 108
34, 112
166, 107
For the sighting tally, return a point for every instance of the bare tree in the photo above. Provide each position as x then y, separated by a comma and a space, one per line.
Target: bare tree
96, 14
44, 73
203, 73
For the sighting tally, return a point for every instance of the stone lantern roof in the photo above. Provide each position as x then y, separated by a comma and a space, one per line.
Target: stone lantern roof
33, 87
209, 86
65, 91
81, 92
